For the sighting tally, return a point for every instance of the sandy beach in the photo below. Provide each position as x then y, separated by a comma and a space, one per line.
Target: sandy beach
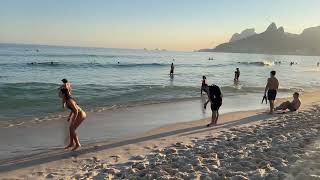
244, 145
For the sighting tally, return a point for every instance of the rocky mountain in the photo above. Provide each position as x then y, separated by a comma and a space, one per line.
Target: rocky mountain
275, 41
244, 34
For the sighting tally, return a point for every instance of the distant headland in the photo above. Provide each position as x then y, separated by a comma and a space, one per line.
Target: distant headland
272, 41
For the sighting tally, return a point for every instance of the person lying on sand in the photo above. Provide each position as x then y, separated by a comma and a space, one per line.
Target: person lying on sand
291, 106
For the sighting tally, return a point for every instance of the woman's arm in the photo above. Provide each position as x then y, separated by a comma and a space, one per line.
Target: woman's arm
63, 103
70, 116
69, 88
267, 87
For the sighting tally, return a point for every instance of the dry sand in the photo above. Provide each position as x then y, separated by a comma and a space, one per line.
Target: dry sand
245, 145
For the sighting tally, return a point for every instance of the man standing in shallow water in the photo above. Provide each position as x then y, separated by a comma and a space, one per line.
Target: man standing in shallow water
172, 70
272, 88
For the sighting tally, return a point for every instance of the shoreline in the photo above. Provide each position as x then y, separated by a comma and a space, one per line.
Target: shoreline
115, 152
9, 122
115, 125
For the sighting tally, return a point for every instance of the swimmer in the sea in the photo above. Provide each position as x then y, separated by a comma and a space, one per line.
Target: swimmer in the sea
236, 74
204, 85
172, 69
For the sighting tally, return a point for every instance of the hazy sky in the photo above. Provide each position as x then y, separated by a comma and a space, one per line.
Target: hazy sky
169, 24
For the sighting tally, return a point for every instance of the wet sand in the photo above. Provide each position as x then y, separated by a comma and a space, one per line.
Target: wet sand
250, 144
109, 126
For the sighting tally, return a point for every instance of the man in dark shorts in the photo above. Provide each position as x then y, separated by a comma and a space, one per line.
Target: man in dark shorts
215, 98
271, 90
171, 69
236, 74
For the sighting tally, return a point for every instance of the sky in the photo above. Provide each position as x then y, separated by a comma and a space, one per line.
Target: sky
165, 24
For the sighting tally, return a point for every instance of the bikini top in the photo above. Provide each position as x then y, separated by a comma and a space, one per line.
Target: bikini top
65, 92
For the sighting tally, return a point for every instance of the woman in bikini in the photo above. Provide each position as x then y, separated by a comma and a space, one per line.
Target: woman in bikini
76, 117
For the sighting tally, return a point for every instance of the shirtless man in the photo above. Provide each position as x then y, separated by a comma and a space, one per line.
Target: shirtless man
172, 69
236, 74
291, 106
272, 88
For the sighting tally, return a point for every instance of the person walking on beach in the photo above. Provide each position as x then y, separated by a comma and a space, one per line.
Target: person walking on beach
271, 90
66, 85
215, 98
75, 118
236, 74
204, 85
172, 69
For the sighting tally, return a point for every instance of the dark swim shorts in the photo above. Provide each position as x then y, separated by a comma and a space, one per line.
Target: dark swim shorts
272, 94
215, 106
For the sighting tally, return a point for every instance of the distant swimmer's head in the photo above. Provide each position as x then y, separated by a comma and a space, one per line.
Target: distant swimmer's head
237, 69
204, 77
273, 73
296, 95
64, 81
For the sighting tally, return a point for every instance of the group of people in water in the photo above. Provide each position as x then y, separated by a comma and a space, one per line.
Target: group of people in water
47, 63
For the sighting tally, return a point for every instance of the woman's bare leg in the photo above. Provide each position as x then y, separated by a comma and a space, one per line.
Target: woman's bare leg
217, 117
71, 137
75, 125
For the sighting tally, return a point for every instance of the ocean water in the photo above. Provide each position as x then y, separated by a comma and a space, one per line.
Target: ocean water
106, 79
127, 92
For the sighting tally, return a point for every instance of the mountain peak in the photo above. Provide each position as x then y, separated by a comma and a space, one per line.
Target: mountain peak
244, 34
274, 41
281, 29
272, 27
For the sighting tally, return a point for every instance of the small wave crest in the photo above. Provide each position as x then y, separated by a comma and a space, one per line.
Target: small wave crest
258, 63
94, 64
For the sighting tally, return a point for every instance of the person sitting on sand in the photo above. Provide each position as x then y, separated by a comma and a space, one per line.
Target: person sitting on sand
76, 117
272, 88
204, 85
236, 74
66, 85
291, 106
172, 69
215, 98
